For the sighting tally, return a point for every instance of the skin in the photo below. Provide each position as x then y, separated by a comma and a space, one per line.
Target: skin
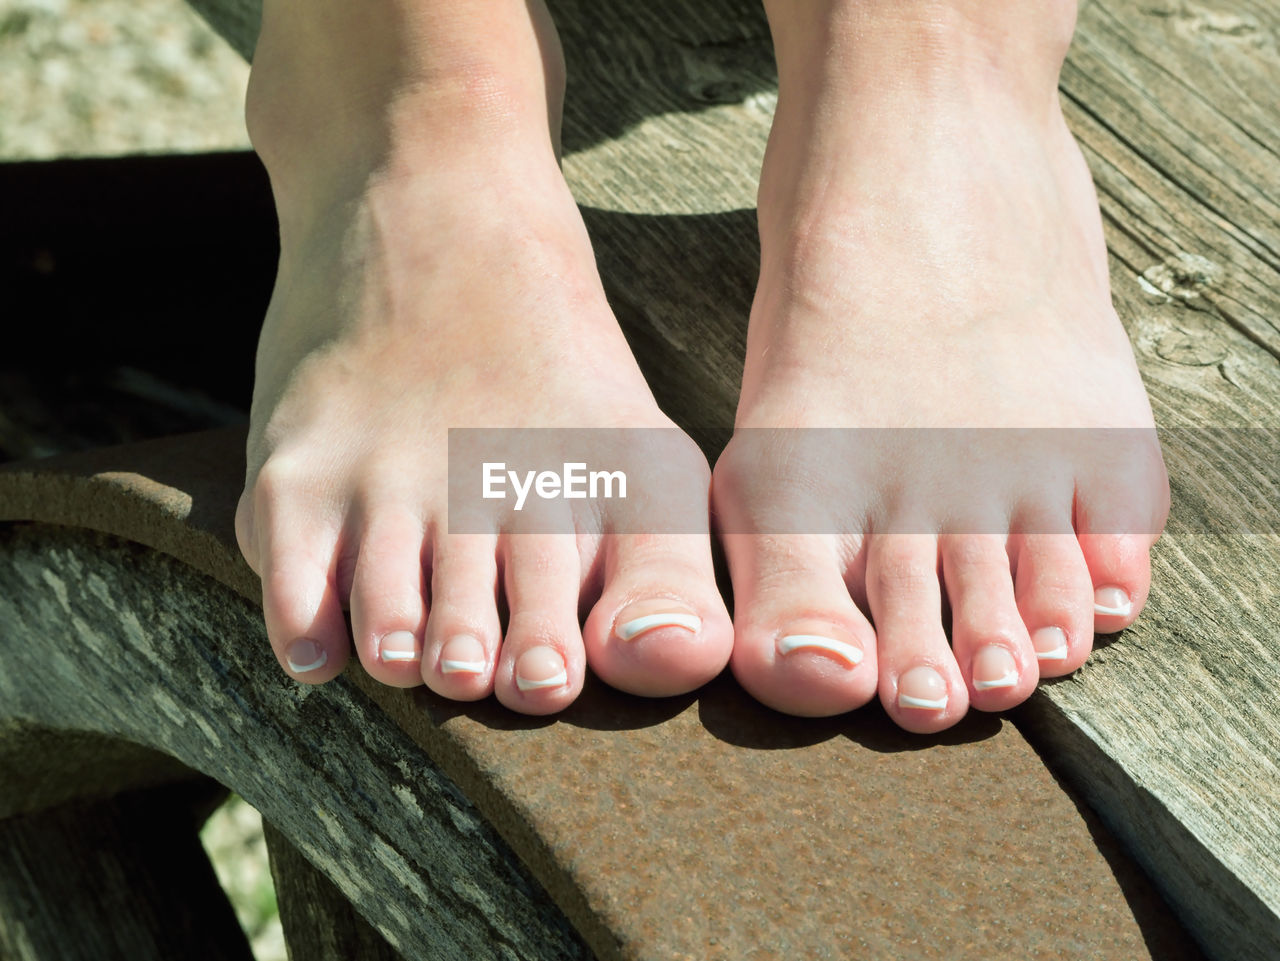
932, 255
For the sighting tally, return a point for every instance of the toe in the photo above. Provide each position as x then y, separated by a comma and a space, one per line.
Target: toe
920, 683
463, 631
1055, 598
1119, 568
542, 662
988, 638
660, 626
388, 607
1119, 514
800, 643
300, 601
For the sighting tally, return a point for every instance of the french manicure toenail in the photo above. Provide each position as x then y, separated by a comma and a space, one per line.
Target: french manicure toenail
1112, 600
924, 688
994, 666
638, 625
399, 646
462, 654
540, 667
1050, 644
304, 655
849, 653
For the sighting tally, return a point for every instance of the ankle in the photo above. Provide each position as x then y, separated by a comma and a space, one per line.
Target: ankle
939, 45
343, 95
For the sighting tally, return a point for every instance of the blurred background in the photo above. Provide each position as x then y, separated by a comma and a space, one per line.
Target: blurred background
107, 77
119, 271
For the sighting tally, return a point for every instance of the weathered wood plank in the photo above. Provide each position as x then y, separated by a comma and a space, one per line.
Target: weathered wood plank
124, 878
319, 922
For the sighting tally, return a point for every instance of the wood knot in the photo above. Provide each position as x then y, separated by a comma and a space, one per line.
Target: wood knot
1181, 277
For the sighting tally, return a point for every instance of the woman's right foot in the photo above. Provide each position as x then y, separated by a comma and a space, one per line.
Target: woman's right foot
435, 273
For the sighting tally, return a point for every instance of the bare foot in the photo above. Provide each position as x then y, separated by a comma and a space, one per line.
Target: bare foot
435, 273
932, 256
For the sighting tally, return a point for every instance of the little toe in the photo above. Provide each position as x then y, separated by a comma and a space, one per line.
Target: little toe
1120, 513
388, 607
463, 634
542, 663
1055, 598
660, 626
920, 683
988, 638
1120, 570
300, 601
801, 645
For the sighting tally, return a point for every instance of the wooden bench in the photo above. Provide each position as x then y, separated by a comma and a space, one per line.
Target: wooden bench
135, 678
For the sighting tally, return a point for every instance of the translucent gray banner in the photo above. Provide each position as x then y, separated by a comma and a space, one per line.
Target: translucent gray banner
856, 481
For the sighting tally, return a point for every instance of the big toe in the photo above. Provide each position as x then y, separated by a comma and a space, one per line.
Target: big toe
801, 645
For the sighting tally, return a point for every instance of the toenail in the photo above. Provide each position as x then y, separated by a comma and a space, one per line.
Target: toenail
399, 646
849, 653
1050, 644
304, 655
922, 687
1111, 600
462, 654
633, 627
994, 666
540, 667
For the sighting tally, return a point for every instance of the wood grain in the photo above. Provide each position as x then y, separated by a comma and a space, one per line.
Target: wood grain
121, 641
319, 922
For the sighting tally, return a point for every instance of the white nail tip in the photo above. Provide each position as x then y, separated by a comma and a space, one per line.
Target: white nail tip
400, 655
935, 704
1009, 680
1116, 611
796, 642
304, 668
637, 626
1057, 654
462, 667
556, 680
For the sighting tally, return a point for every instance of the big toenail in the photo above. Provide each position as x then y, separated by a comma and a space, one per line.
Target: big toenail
924, 688
633, 627
304, 655
994, 666
849, 653
462, 654
540, 667
399, 646
1112, 600
1050, 644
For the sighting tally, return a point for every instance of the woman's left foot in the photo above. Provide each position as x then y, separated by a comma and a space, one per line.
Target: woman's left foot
932, 256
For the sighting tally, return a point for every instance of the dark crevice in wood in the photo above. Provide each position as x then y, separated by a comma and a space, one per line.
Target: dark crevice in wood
116, 879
